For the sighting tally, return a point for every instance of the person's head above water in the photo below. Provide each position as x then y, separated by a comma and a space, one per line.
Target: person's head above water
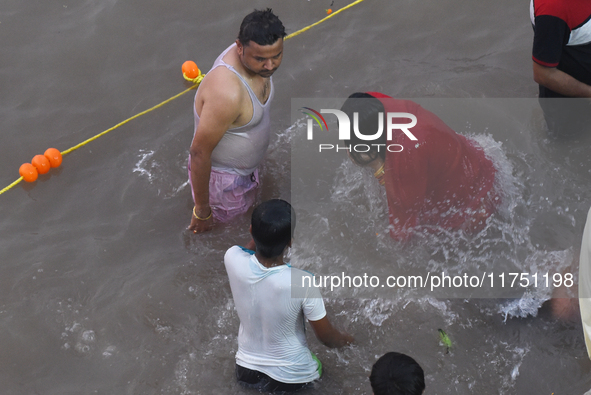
260, 42
397, 374
272, 226
367, 107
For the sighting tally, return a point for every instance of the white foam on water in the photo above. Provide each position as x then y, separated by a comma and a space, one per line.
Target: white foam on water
182, 373
377, 310
143, 166
443, 307
535, 296
518, 356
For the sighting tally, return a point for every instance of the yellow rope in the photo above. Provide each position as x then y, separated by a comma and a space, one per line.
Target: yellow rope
11, 185
127, 120
196, 81
322, 20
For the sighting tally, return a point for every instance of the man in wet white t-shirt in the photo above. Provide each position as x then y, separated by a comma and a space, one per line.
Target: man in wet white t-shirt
273, 354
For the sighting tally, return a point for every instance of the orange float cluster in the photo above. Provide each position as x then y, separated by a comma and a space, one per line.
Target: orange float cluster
190, 69
40, 164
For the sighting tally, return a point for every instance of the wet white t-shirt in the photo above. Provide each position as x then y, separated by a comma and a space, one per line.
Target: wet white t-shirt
272, 337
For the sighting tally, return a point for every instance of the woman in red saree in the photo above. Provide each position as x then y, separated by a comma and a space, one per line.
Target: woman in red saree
441, 180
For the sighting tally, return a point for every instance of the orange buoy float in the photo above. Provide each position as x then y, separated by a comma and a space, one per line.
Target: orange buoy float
190, 69
54, 156
329, 11
28, 172
41, 163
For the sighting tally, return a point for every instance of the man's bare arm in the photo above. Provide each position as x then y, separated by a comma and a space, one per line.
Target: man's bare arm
220, 107
329, 335
560, 82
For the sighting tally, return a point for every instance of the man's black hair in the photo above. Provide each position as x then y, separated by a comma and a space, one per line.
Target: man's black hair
262, 27
367, 108
273, 223
397, 374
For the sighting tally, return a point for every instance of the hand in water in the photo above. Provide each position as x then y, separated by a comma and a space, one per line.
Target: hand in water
201, 224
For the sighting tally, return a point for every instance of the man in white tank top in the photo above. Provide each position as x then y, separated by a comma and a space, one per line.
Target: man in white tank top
232, 127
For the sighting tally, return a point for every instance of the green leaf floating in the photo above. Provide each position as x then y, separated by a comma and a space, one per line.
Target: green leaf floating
444, 339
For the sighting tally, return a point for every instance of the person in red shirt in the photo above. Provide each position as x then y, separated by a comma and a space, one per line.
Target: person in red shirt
561, 57
440, 180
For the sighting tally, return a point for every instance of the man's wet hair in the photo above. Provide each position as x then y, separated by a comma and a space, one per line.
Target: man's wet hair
262, 27
273, 223
367, 108
397, 374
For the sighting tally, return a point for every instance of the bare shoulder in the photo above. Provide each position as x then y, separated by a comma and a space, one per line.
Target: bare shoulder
221, 86
218, 103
